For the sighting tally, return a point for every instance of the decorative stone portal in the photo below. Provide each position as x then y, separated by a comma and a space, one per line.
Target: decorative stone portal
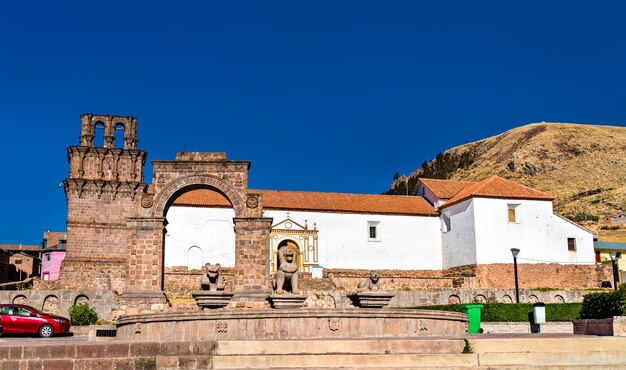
290, 233
116, 222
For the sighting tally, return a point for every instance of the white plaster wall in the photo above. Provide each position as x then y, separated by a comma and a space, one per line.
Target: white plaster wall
210, 229
540, 235
459, 243
406, 242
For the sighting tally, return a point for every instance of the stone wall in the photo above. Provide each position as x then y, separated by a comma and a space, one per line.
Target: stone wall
109, 355
348, 279
453, 296
59, 301
532, 276
180, 282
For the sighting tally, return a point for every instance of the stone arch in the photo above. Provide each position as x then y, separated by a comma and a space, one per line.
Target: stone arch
506, 299
194, 258
533, 299
292, 242
81, 299
167, 196
99, 129
558, 299
20, 299
50, 304
454, 299
479, 298
119, 133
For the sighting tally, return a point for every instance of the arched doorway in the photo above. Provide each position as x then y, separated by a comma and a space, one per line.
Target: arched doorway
295, 246
199, 230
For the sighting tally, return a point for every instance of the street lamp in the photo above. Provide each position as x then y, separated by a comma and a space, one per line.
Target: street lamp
614, 257
515, 252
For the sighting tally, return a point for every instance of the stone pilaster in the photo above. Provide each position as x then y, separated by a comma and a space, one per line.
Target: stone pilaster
252, 269
145, 260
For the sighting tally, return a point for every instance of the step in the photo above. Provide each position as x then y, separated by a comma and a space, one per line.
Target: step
539, 343
358, 346
564, 358
334, 361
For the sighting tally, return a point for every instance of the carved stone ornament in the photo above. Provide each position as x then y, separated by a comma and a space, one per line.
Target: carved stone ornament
421, 325
333, 323
147, 200
222, 326
252, 202
138, 328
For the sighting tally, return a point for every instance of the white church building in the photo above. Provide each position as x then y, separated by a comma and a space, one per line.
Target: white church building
446, 224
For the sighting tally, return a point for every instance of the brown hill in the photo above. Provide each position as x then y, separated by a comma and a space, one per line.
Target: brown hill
583, 166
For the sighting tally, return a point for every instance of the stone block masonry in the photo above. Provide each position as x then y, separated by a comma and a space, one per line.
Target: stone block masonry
533, 276
116, 222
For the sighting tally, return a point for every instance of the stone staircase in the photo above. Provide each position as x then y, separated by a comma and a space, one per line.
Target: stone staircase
543, 351
520, 352
354, 354
550, 351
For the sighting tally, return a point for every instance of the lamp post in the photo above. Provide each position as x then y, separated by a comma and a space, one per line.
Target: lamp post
614, 257
515, 252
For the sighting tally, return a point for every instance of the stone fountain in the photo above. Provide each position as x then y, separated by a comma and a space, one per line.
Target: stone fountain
287, 318
212, 294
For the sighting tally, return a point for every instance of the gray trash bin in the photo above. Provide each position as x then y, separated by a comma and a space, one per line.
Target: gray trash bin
539, 313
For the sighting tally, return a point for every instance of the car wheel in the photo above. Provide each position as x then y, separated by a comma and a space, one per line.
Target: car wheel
46, 331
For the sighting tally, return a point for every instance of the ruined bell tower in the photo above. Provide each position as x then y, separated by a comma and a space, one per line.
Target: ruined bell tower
103, 190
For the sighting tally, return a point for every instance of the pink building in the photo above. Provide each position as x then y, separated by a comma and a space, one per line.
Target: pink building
52, 255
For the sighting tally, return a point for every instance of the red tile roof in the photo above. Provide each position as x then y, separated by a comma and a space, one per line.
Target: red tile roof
497, 187
445, 189
320, 202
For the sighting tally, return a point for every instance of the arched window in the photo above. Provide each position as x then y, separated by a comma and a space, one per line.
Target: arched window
98, 139
194, 258
119, 136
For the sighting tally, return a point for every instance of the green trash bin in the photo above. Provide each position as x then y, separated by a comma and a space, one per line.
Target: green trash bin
473, 314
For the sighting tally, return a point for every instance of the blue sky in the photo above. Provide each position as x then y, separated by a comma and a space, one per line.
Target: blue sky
320, 95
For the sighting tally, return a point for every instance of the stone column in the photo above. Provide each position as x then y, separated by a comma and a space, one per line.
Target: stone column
145, 260
252, 255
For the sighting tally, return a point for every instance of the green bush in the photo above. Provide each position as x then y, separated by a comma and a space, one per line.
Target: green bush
501, 312
582, 216
604, 305
82, 314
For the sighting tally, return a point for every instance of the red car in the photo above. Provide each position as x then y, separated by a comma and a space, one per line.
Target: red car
22, 319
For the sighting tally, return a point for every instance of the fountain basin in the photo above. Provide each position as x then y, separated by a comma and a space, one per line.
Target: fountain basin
291, 324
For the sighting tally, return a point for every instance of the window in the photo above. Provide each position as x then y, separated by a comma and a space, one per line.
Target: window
512, 214
5, 310
47, 256
373, 231
571, 244
46, 276
21, 311
18, 262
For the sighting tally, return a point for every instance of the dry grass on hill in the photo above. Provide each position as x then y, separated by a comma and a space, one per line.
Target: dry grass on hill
583, 166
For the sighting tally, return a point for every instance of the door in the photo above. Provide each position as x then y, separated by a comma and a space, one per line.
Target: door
5, 319
24, 320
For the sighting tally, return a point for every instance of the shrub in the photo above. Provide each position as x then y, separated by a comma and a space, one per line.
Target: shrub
502, 312
582, 216
82, 314
604, 305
